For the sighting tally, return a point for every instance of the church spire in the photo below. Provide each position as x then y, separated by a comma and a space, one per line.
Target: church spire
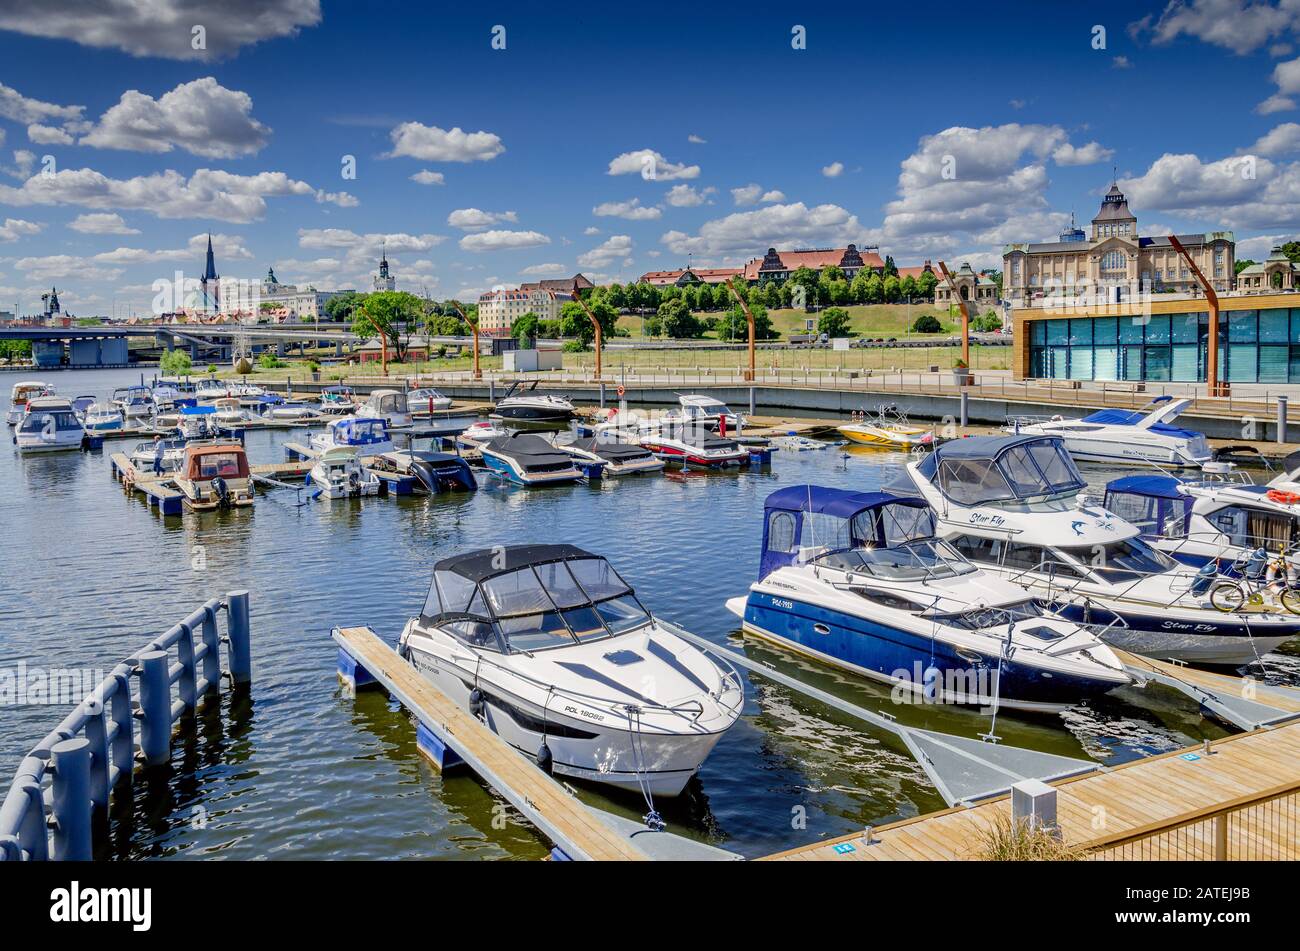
210, 265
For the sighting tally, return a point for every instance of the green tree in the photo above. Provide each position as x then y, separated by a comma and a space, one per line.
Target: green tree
734, 326
908, 288
574, 322
858, 288
524, 329
891, 289
677, 320
927, 324
834, 322
387, 314
987, 322
925, 285
875, 289
175, 363
340, 306
1241, 265
891, 269
806, 278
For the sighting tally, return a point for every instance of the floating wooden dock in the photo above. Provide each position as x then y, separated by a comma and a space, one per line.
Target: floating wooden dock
1233, 798
578, 831
162, 494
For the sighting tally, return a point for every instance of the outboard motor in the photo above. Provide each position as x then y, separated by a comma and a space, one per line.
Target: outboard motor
221, 491
354, 483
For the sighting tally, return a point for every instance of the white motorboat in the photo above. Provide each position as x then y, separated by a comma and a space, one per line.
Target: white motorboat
1140, 436
135, 402
338, 474
230, 414
795, 443
294, 411
337, 401
522, 403
551, 649
1014, 506
21, 394
528, 459
50, 424
857, 580
102, 418
369, 437
196, 422
427, 399
479, 435
144, 454
694, 413
388, 405
215, 476
698, 448
208, 390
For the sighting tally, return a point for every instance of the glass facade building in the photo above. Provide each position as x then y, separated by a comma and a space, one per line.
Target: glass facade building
1255, 346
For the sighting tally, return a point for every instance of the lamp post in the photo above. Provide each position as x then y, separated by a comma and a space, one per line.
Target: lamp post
1212, 385
594, 322
473, 325
749, 316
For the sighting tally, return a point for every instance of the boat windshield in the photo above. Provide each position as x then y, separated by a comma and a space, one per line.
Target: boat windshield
1125, 560
227, 465
1027, 471
50, 421
915, 560
553, 604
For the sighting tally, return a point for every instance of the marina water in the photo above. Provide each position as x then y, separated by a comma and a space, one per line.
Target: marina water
304, 772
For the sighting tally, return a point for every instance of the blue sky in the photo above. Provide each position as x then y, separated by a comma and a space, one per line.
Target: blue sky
845, 140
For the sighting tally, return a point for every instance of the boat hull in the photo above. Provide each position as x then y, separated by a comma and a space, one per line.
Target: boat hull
927, 668
518, 475
579, 748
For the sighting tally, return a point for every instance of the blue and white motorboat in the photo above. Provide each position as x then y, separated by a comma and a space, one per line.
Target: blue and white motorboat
553, 651
24, 392
102, 418
858, 580
49, 425
337, 401
338, 473
369, 437
1016, 506
197, 422
172, 450
1221, 516
1142, 436
528, 459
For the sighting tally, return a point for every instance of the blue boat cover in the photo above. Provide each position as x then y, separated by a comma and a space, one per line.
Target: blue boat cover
1150, 486
838, 503
197, 410
1125, 417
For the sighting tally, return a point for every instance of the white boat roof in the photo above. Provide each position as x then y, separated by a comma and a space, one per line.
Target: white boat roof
698, 399
1066, 527
30, 385
48, 402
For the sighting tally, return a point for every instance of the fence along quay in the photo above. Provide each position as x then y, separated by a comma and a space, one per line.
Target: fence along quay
69, 776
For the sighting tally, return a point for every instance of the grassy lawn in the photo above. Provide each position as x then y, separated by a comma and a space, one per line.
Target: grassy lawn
875, 320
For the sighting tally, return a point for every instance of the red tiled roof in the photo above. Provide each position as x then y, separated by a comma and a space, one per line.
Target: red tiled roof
709, 275
816, 259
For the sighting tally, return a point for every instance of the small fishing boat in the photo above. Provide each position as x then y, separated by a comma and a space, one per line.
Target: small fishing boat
173, 453
102, 418
215, 475
338, 474
619, 458
135, 402
696, 449
435, 471
1140, 436
523, 403
858, 580
426, 400
49, 425
528, 459
794, 443
888, 429
552, 650
369, 437
388, 405
21, 394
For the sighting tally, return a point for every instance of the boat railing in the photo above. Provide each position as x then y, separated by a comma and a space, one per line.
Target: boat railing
47, 812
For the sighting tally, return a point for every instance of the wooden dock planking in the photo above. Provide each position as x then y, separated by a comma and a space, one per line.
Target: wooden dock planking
1129, 798
509, 772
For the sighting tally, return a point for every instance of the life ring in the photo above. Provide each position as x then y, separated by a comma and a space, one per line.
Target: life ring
1283, 496
620, 390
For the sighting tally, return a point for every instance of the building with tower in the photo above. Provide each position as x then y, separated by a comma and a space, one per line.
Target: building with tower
209, 301
384, 281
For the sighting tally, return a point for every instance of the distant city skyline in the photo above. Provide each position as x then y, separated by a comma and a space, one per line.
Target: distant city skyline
485, 150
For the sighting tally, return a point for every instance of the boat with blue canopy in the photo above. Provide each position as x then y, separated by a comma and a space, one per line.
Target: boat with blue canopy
859, 580
368, 436
1143, 436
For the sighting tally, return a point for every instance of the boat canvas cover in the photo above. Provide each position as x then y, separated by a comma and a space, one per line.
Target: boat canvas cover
1151, 502
984, 469
198, 410
613, 451
1125, 417
209, 462
786, 510
531, 452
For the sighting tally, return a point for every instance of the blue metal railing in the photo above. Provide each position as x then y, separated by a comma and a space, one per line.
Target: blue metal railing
72, 772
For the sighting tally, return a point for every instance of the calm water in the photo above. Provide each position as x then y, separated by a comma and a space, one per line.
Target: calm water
89, 575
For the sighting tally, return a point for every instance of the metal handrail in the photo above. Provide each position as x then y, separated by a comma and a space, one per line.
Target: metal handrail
94, 747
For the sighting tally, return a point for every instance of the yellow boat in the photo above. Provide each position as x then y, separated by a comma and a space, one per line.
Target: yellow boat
889, 429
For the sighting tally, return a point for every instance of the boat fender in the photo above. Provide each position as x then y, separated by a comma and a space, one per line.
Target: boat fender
544, 758
930, 682
476, 703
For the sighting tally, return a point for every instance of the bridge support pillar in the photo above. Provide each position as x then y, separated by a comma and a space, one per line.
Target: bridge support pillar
338, 348
279, 348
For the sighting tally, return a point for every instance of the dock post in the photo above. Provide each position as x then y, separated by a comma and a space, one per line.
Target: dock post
97, 738
1033, 803
241, 661
212, 651
185, 685
965, 407
71, 801
124, 741
602, 394
1281, 419
492, 391
155, 708
751, 401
